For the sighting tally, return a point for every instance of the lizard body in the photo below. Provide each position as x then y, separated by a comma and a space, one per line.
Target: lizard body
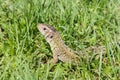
59, 49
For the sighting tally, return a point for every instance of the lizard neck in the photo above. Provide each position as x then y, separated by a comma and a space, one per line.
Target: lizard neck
57, 42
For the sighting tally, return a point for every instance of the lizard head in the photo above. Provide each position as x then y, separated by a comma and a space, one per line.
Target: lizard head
47, 31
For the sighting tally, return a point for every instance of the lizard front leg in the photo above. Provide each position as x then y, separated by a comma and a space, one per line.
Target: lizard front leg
55, 59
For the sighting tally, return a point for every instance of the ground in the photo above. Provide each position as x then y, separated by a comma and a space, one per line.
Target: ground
25, 55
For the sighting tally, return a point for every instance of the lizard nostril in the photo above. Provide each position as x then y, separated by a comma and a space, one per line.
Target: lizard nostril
44, 28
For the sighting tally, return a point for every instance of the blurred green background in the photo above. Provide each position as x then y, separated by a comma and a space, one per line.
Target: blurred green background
81, 23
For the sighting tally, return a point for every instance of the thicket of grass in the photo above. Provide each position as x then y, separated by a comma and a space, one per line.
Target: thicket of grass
81, 23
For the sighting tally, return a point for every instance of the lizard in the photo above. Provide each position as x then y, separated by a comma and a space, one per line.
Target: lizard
59, 49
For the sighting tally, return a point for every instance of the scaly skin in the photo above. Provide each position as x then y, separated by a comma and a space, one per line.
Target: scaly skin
59, 49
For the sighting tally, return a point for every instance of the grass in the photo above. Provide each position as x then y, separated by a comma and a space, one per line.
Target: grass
81, 23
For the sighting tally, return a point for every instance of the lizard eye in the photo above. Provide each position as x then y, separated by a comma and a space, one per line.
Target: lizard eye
51, 36
44, 28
